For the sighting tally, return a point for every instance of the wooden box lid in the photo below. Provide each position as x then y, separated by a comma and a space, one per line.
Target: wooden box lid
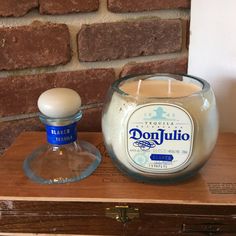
214, 185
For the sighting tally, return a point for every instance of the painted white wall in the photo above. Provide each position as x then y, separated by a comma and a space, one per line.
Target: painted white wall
212, 53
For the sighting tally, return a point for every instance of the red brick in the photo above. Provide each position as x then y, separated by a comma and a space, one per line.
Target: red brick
91, 121
19, 94
35, 45
16, 7
69, 6
146, 5
109, 41
175, 66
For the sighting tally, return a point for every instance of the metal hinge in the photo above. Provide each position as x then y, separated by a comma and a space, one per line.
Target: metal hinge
122, 214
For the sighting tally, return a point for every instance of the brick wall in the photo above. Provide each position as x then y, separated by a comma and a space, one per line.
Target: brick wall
84, 45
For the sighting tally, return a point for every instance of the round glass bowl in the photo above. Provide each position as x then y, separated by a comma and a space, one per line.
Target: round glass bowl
160, 128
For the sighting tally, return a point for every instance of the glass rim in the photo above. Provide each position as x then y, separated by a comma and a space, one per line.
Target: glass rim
70, 119
205, 85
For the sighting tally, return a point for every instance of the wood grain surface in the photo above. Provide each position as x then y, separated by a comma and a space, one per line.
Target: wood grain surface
215, 183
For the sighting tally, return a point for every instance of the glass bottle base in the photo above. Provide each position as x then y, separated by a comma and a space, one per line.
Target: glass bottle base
62, 164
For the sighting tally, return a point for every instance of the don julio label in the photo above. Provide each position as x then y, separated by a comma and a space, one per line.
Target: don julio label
159, 138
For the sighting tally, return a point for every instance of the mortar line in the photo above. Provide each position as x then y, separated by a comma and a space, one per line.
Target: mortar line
36, 114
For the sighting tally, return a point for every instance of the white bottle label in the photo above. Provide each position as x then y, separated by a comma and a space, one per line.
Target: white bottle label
159, 138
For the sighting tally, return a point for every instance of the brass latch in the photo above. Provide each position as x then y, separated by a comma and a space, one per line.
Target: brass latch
122, 214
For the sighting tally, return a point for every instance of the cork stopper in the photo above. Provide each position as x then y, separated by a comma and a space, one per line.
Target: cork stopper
59, 102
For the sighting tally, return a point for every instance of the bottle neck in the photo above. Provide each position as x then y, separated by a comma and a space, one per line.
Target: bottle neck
61, 131
61, 135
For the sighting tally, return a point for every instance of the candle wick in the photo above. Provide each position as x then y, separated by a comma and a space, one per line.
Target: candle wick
169, 88
139, 86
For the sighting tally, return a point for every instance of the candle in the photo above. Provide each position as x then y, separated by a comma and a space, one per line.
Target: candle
160, 128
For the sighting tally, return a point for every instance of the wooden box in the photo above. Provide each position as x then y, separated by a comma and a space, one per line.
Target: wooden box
109, 203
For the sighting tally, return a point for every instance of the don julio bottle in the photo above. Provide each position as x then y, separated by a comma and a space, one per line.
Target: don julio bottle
164, 126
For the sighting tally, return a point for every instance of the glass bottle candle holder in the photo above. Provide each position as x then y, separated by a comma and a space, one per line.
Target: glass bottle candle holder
160, 128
